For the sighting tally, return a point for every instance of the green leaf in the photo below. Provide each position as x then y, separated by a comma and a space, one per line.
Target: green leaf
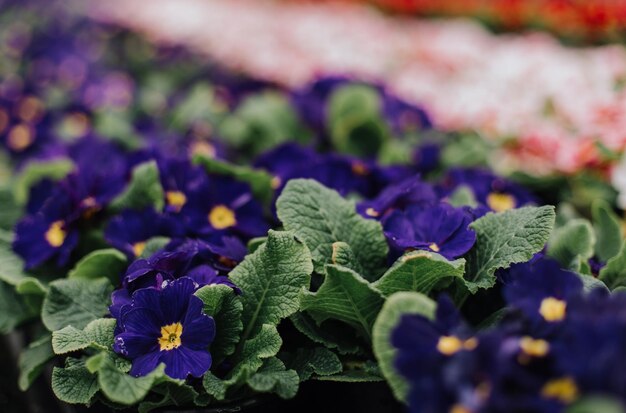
608, 231
321, 217
97, 334
463, 196
74, 384
275, 378
319, 360
221, 303
355, 120
108, 263
173, 394
11, 265
572, 243
153, 245
614, 272
591, 282
260, 181
331, 333
35, 172
395, 307
32, 361
344, 296
351, 376
10, 212
31, 286
343, 255
597, 404
506, 238
144, 189
255, 243
122, 388
418, 271
75, 302
14, 308
272, 278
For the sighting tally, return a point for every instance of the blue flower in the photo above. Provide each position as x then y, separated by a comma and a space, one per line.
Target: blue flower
129, 231
441, 228
403, 116
179, 179
166, 326
408, 192
490, 190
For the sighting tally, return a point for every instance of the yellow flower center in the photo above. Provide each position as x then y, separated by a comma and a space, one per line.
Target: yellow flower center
434, 247
276, 182
552, 309
203, 148
371, 212
55, 235
170, 336
176, 199
20, 137
75, 125
138, 248
534, 347
449, 345
459, 408
91, 207
222, 217
500, 202
359, 168
563, 389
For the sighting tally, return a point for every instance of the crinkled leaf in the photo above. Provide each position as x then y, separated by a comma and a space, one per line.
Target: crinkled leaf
255, 243
395, 307
344, 296
221, 303
321, 217
614, 272
97, 334
75, 302
74, 384
572, 243
108, 263
144, 189
32, 361
343, 255
607, 229
418, 271
273, 377
272, 278
319, 360
122, 388
330, 333
171, 394
506, 238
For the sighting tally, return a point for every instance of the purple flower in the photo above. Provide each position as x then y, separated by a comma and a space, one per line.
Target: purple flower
496, 193
403, 116
441, 228
179, 179
408, 192
129, 231
166, 326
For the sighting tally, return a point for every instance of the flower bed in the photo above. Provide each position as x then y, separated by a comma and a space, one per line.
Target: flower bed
174, 236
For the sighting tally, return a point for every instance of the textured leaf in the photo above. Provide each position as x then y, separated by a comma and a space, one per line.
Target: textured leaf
11, 265
221, 303
108, 263
173, 394
97, 334
75, 302
321, 217
614, 272
397, 305
144, 189
123, 388
343, 255
32, 361
506, 238
344, 296
14, 309
319, 360
273, 377
572, 243
272, 278
418, 271
255, 243
330, 333
352, 376
74, 385
607, 229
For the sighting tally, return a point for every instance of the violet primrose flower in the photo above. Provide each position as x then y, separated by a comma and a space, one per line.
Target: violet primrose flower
166, 326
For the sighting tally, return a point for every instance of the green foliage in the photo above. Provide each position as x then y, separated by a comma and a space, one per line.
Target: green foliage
320, 217
344, 296
343, 255
572, 243
32, 361
122, 388
35, 172
331, 333
419, 271
75, 302
614, 272
272, 278
98, 334
506, 238
274, 377
153, 245
10, 212
14, 308
11, 265
607, 229
74, 384
144, 189
319, 361
463, 196
397, 305
109, 263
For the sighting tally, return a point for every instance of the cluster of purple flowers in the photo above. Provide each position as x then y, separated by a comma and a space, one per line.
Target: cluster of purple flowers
555, 344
